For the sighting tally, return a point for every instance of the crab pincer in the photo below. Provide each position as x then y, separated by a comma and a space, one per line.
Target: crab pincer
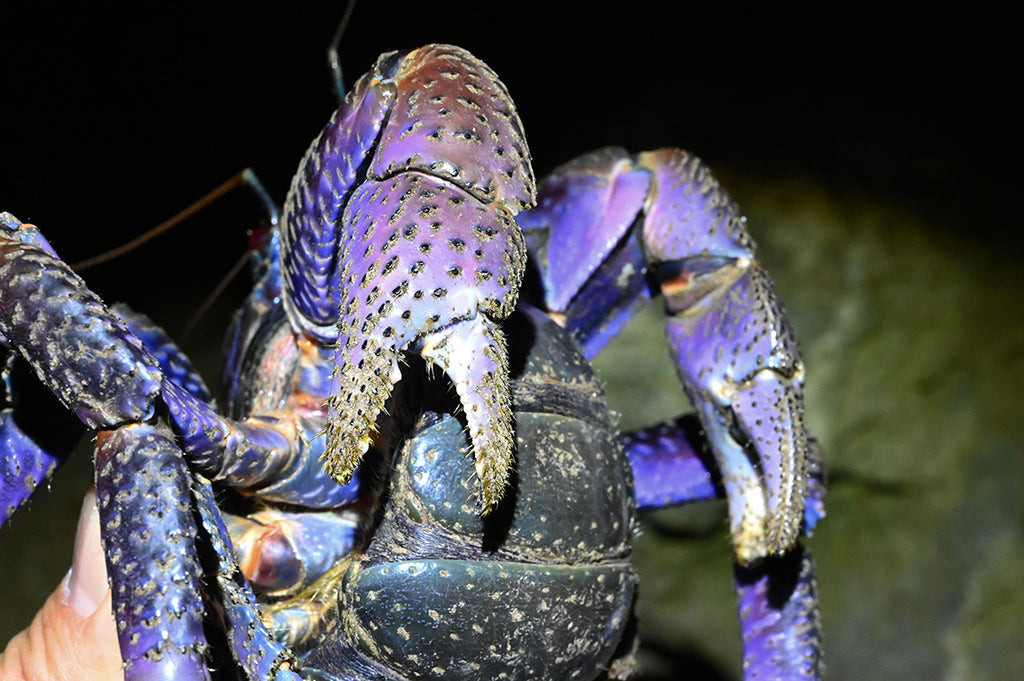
424, 244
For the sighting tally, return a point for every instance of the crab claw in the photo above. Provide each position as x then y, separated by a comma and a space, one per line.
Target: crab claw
734, 350
752, 414
472, 353
447, 272
400, 227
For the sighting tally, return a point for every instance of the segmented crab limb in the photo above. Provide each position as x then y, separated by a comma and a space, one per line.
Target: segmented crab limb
36, 433
174, 364
683, 235
743, 375
733, 347
279, 456
591, 260
780, 618
78, 348
269, 454
277, 453
672, 464
668, 466
738, 362
259, 655
142, 491
92, 362
778, 604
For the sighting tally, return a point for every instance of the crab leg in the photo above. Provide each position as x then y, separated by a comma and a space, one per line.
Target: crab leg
40, 295
175, 366
672, 465
93, 363
780, 619
162, 632
282, 552
257, 653
36, 434
144, 487
734, 350
88, 357
80, 351
661, 223
142, 490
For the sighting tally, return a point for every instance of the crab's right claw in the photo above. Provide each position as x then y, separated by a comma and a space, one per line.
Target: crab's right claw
401, 237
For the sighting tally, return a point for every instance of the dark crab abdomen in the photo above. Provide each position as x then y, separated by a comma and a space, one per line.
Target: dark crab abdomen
543, 586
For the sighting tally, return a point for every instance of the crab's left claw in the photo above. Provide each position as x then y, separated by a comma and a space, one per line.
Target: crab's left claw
435, 293
734, 351
632, 227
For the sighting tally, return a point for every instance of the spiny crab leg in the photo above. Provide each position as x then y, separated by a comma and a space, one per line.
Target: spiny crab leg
780, 618
104, 373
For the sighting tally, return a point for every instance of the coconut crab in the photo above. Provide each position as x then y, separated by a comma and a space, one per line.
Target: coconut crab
412, 193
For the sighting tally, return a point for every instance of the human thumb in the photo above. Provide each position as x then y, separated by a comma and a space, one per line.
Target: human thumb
73, 636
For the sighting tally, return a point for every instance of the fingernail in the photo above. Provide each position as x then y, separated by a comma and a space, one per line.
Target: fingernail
85, 585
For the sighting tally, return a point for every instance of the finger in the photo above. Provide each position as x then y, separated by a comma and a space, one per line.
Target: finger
73, 636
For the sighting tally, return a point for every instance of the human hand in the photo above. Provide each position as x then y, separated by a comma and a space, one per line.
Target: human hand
73, 636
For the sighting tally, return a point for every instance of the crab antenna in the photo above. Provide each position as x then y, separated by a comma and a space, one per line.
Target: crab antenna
247, 178
333, 59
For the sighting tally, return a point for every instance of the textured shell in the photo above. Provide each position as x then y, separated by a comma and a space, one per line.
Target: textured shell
454, 118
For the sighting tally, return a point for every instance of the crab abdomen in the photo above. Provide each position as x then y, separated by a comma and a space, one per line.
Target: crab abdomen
541, 587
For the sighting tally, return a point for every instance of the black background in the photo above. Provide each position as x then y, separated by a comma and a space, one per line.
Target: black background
114, 119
